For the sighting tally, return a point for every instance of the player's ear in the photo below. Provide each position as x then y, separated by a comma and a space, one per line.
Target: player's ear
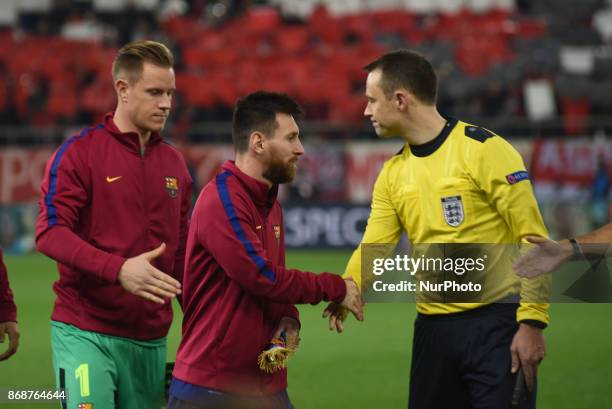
402, 100
256, 142
122, 89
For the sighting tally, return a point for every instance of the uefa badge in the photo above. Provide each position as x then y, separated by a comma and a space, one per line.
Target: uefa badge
172, 186
452, 207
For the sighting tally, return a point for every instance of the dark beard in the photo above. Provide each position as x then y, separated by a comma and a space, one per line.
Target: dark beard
279, 172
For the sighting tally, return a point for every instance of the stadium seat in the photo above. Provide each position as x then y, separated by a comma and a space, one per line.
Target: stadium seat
8, 13
195, 90
577, 60
4, 95
99, 97
393, 21
261, 20
539, 100
292, 40
575, 115
325, 28
602, 22
185, 30
41, 6
530, 28
62, 101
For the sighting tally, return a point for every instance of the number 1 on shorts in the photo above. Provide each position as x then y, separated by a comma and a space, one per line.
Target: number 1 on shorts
82, 374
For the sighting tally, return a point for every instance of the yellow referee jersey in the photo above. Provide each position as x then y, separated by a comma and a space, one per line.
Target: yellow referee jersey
467, 185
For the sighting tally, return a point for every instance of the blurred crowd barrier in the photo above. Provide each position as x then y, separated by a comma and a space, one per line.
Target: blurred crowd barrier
328, 203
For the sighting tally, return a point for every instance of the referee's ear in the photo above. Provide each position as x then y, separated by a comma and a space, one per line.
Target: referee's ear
403, 99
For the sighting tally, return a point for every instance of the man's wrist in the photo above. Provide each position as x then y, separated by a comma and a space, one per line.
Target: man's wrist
567, 249
576, 249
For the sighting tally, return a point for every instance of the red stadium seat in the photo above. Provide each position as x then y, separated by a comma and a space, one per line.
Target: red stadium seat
62, 101
7, 45
360, 26
392, 21
3, 94
575, 115
195, 90
292, 40
476, 54
531, 28
99, 97
261, 20
184, 30
325, 28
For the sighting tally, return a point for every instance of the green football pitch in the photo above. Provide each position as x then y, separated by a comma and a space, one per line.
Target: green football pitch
365, 367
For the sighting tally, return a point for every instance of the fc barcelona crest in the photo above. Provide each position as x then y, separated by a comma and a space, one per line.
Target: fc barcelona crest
277, 231
452, 207
172, 186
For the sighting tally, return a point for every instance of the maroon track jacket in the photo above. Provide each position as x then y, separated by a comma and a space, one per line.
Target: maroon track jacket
102, 202
236, 287
8, 311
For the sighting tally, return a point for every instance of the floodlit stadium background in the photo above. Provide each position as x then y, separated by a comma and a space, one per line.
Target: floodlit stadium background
537, 72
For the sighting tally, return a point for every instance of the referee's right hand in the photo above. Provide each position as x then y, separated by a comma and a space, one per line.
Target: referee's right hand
140, 278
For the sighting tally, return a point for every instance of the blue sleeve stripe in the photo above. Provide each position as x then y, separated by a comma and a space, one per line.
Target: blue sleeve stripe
51, 192
233, 219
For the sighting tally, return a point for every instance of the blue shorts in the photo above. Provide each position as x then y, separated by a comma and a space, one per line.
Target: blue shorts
184, 395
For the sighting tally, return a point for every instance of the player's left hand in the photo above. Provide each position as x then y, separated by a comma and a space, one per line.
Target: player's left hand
291, 327
528, 349
12, 330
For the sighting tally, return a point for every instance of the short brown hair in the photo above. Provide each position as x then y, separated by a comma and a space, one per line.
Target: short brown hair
407, 69
131, 57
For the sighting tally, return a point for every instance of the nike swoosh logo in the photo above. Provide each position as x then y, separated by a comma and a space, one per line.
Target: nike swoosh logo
111, 180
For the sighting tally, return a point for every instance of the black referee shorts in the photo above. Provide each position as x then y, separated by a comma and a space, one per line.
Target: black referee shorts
463, 360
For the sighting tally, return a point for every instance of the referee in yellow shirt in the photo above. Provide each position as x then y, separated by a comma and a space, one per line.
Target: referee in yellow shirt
453, 182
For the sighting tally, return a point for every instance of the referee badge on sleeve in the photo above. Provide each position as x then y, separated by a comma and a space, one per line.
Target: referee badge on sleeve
452, 207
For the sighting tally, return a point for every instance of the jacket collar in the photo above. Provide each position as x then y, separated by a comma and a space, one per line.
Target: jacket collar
262, 196
128, 139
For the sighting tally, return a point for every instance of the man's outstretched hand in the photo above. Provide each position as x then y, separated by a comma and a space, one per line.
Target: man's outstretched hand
352, 302
543, 258
139, 277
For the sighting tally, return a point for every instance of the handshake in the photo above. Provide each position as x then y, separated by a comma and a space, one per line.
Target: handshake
352, 302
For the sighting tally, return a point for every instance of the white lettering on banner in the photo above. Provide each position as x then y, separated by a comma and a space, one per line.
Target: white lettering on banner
548, 158
571, 162
21, 172
364, 162
324, 226
350, 224
581, 157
